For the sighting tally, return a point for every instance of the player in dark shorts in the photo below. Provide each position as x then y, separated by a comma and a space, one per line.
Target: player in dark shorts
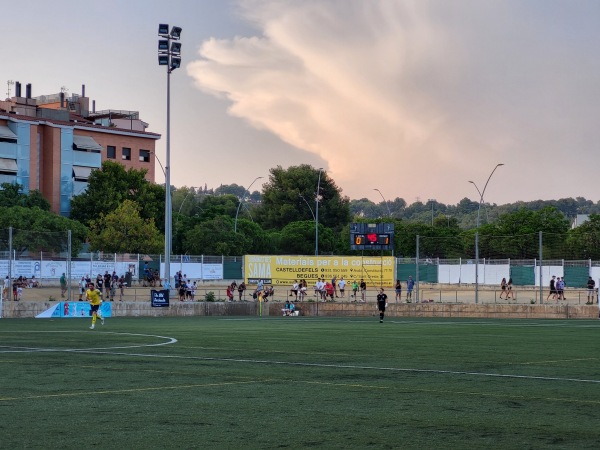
381, 304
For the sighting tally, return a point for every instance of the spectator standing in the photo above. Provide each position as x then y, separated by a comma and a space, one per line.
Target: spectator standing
6, 287
121, 286
334, 284
342, 286
591, 285
241, 289
509, 291
363, 291
63, 285
82, 288
398, 289
503, 287
560, 288
410, 284
553, 291
354, 289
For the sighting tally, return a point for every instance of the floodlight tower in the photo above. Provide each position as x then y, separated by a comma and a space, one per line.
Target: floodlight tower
169, 54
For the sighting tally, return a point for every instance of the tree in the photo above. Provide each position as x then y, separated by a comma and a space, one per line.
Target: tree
583, 242
214, 237
298, 238
290, 195
36, 230
125, 231
11, 194
110, 186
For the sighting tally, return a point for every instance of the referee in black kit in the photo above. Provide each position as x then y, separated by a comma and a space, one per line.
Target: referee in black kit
381, 304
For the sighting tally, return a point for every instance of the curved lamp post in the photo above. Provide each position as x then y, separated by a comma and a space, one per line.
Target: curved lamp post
384, 201
481, 193
240, 204
307, 204
317, 215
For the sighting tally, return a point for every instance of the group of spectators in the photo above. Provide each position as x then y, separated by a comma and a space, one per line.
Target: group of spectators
18, 284
186, 288
152, 277
107, 284
232, 288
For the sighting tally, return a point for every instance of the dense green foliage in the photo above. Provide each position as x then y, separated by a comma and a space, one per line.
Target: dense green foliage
321, 383
124, 231
281, 220
13, 195
113, 184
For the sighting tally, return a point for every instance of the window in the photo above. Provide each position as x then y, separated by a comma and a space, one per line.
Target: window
86, 144
145, 155
126, 153
81, 173
111, 152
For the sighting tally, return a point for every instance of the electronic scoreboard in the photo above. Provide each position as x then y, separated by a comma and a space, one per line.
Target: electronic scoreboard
372, 236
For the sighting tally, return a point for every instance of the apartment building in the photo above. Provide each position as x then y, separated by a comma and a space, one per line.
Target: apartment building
53, 142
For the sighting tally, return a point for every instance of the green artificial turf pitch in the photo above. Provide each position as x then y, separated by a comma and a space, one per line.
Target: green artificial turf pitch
326, 383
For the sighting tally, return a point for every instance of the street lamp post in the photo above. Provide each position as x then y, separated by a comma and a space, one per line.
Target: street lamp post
432, 200
169, 54
241, 201
160, 164
388, 208
192, 189
384, 201
307, 204
317, 214
481, 193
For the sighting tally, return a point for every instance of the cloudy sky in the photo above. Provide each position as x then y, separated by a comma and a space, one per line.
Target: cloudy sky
414, 98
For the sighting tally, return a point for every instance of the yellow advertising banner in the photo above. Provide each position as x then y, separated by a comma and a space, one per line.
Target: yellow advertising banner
284, 270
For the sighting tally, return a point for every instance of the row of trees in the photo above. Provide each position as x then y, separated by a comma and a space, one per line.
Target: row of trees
122, 212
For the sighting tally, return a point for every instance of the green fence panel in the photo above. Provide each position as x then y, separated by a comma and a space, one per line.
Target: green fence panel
576, 277
404, 270
232, 270
428, 273
523, 275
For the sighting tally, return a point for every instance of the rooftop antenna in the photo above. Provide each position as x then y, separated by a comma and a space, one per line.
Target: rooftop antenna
64, 90
9, 83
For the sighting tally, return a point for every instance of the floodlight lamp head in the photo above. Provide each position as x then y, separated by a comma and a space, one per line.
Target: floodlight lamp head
176, 48
175, 63
163, 29
163, 60
176, 32
163, 45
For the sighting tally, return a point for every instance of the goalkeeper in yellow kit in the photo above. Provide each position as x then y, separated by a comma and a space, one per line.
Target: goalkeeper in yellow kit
94, 296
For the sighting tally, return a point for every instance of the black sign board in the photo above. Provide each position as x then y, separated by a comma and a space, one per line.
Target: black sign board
159, 298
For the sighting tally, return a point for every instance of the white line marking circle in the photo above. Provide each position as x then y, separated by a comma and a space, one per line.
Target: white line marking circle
168, 341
